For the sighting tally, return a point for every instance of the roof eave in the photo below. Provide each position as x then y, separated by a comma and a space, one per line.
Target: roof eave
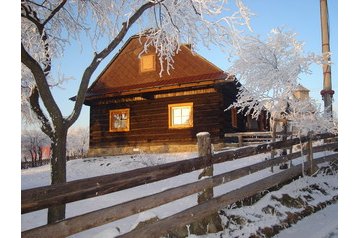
155, 89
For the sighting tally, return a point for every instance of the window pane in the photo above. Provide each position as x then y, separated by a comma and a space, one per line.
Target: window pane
177, 121
119, 120
176, 112
185, 120
185, 111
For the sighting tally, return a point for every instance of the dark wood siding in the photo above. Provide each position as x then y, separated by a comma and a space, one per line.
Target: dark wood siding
149, 121
229, 92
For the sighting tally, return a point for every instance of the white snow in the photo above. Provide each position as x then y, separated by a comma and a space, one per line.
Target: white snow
78, 169
322, 224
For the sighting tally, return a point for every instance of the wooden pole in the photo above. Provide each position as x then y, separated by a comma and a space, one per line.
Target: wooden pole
327, 92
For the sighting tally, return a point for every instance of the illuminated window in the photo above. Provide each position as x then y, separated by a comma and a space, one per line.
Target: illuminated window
119, 120
180, 115
147, 63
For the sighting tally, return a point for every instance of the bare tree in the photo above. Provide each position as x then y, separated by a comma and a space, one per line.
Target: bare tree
77, 142
48, 27
32, 143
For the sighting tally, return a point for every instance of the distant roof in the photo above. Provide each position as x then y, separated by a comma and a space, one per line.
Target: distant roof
123, 74
299, 87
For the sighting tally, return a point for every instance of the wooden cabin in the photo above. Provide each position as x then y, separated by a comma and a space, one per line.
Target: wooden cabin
133, 109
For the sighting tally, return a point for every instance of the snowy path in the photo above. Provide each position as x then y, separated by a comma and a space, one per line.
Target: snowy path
322, 224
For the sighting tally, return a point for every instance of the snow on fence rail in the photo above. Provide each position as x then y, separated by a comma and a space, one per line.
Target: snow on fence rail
44, 197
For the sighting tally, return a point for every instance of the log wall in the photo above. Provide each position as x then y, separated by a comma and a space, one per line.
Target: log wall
149, 122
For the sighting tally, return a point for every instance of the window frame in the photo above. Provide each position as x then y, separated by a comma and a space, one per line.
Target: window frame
171, 124
111, 120
142, 58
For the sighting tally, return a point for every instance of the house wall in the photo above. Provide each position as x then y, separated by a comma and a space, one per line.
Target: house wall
149, 130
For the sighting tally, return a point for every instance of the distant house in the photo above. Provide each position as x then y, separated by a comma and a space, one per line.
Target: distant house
133, 109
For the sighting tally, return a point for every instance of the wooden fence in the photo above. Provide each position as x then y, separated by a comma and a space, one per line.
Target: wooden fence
254, 137
32, 164
44, 197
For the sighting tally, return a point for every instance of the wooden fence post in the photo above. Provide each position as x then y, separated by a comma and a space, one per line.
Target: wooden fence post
273, 152
212, 223
204, 150
241, 140
310, 155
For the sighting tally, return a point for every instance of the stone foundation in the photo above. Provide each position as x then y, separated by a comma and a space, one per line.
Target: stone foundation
147, 148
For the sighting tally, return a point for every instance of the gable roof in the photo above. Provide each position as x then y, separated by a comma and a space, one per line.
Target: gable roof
123, 76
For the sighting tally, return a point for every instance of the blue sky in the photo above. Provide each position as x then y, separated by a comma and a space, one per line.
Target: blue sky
300, 16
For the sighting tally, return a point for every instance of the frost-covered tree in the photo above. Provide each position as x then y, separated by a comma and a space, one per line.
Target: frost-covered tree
307, 116
269, 72
77, 142
48, 28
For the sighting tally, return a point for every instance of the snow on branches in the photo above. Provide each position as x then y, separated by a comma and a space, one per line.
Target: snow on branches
49, 27
269, 73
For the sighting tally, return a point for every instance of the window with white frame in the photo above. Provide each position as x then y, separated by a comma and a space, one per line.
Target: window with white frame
180, 115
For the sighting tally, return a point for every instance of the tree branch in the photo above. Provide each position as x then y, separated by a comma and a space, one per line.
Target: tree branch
170, 17
99, 57
35, 106
53, 13
32, 16
42, 86
196, 11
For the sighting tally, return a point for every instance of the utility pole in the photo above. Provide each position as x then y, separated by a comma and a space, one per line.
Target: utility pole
327, 92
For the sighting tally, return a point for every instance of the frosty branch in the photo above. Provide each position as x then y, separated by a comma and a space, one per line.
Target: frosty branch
48, 27
269, 72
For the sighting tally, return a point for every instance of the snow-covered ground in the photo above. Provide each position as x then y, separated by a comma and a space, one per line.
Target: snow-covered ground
323, 224
78, 169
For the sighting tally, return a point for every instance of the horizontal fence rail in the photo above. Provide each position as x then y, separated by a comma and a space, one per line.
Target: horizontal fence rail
39, 198
257, 137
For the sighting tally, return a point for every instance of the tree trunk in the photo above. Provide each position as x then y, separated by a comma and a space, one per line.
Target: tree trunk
39, 153
58, 173
33, 158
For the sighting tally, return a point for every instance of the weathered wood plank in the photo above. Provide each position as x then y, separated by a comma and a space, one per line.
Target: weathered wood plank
38, 198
